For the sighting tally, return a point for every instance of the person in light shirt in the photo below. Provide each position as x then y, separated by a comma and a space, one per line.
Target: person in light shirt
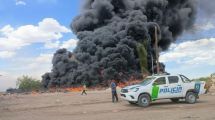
84, 90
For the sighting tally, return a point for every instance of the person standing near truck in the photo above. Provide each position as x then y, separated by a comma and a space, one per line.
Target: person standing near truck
113, 91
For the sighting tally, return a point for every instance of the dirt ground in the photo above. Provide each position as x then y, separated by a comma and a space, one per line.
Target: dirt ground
97, 105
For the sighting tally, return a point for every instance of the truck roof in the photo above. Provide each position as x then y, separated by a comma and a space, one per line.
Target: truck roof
163, 75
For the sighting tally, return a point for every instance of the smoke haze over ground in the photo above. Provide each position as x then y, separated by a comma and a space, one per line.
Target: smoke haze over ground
109, 32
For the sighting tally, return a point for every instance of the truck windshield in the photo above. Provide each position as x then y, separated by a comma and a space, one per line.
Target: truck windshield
146, 81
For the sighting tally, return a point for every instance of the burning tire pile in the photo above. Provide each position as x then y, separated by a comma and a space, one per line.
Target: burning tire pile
109, 32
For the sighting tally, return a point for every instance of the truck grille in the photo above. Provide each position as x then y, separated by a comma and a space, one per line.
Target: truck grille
124, 90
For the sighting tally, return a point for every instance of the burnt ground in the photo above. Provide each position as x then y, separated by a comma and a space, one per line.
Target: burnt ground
97, 105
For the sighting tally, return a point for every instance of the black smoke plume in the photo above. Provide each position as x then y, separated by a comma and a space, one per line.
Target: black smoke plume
109, 32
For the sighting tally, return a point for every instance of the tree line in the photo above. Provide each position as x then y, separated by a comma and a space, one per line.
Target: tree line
28, 84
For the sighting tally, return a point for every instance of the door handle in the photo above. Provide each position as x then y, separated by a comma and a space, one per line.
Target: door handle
166, 86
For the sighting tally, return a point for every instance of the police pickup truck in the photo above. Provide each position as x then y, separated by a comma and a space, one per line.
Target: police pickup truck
174, 87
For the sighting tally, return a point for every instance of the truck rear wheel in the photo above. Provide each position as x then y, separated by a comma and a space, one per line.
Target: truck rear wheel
191, 98
144, 100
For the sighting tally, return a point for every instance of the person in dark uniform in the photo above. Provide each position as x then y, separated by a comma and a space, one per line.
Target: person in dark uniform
113, 91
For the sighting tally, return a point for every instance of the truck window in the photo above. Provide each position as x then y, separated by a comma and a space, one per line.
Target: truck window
160, 81
147, 81
173, 79
185, 79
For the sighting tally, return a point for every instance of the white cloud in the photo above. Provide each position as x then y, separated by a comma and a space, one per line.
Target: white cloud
31, 63
20, 2
37, 66
51, 25
44, 58
47, 31
206, 26
51, 45
192, 52
33, 66
3, 73
6, 54
72, 43
7, 81
41, 60
69, 44
47, 1
6, 30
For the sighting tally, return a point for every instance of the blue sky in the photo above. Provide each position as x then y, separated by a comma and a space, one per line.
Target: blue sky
32, 30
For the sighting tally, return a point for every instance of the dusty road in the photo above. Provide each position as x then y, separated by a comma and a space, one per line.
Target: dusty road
98, 106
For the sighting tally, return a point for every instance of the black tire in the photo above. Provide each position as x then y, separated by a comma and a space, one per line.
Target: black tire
132, 103
144, 100
175, 100
191, 98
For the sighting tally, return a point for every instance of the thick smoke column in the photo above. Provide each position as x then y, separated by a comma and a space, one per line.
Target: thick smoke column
109, 32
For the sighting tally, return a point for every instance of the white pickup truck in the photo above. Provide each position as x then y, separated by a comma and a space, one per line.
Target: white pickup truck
174, 87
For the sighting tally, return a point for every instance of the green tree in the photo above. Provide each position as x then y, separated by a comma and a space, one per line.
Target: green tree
26, 83
202, 79
142, 53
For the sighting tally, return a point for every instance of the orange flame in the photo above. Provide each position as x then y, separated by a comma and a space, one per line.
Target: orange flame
74, 89
130, 82
34, 93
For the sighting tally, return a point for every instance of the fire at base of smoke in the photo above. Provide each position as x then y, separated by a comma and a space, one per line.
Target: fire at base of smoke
109, 32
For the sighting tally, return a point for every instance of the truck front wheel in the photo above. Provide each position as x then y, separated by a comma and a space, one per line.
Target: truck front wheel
144, 100
191, 98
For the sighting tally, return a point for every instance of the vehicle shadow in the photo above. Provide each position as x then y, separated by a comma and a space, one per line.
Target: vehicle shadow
181, 102
166, 103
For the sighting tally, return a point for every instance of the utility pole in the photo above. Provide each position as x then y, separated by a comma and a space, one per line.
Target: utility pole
156, 50
151, 54
152, 64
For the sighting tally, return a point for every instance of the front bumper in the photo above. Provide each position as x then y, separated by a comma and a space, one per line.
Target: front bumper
129, 96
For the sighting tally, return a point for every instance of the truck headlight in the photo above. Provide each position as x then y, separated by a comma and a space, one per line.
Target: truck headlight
133, 89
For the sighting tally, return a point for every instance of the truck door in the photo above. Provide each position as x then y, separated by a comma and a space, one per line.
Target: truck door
159, 87
175, 87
